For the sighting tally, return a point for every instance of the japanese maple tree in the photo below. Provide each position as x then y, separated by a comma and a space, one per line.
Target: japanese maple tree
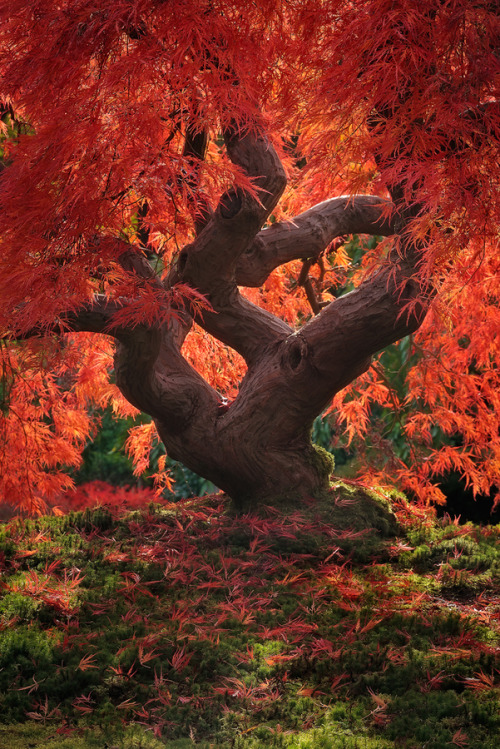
179, 182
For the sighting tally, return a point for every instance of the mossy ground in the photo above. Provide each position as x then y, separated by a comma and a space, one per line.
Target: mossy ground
192, 626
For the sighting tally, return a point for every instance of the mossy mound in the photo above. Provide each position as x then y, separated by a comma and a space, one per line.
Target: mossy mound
358, 509
359, 519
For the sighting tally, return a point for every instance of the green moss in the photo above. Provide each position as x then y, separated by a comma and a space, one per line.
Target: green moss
90, 519
278, 628
322, 460
32, 735
19, 606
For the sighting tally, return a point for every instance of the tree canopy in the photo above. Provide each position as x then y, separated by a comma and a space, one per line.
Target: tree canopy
186, 179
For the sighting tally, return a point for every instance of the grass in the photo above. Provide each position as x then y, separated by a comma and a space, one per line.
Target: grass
189, 626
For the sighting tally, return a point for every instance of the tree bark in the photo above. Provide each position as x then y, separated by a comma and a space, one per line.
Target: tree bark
259, 446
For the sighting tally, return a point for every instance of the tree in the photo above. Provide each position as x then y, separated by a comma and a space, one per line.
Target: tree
159, 157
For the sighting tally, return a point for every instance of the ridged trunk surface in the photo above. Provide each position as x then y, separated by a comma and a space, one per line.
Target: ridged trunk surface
252, 465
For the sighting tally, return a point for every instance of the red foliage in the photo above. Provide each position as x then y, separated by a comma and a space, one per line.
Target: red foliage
116, 499
96, 101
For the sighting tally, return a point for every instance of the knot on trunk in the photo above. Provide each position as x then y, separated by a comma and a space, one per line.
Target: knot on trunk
295, 351
231, 203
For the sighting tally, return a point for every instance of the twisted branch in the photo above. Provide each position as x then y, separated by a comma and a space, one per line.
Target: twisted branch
309, 234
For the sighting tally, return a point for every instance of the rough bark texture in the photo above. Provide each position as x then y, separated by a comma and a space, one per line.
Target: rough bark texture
259, 446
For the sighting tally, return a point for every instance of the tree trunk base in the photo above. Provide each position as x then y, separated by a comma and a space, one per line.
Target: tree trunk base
287, 480
358, 521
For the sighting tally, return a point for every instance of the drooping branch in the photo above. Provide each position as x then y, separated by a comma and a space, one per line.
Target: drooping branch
479, 126
306, 283
310, 233
150, 370
95, 316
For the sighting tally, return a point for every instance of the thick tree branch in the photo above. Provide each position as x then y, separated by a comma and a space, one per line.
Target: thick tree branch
242, 325
310, 233
341, 340
152, 374
297, 380
213, 256
93, 317
150, 371
209, 263
133, 261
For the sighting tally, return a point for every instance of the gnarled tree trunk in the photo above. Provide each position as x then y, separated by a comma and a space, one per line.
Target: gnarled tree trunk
259, 446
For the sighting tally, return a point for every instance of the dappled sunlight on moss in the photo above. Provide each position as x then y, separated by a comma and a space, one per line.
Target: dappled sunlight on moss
308, 628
